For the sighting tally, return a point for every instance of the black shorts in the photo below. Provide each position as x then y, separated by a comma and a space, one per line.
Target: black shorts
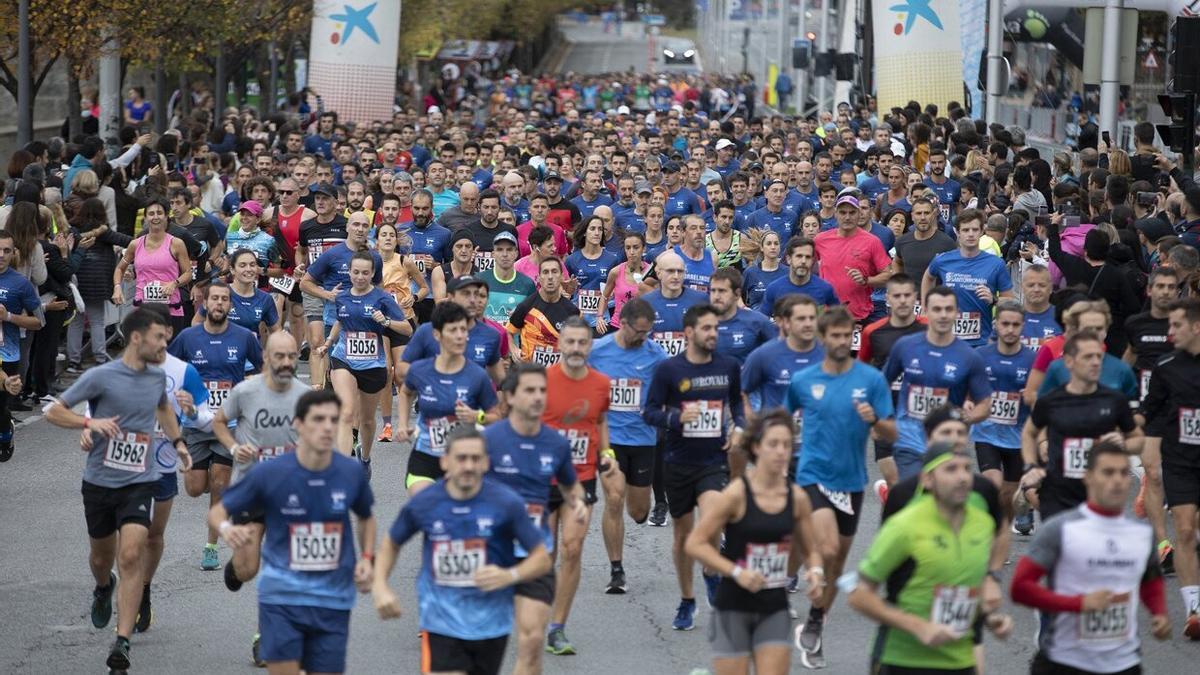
1181, 483
398, 339
540, 589
441, 654
1044, 666
243, 517
213, 458
1006, 461
556, 498
847, 524
370, 380
108, 509
294, 296
883, 449
637, 463
422, 465
684, 483
885, 669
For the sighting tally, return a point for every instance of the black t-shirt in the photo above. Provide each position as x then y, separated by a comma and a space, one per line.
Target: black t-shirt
318, 237
203, 231
1172, 409
900, 494
1148, 339
1073, 422
916, 254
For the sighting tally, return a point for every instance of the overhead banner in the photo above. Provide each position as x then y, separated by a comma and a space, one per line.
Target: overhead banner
918, 52
352, 57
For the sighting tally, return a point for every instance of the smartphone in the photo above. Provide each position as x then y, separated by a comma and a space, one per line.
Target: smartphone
1041, 219
1147, 198
1107, 138
172, 162
152, 160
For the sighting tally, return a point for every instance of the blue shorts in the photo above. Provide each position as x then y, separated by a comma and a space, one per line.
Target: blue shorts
167, 486
314, 636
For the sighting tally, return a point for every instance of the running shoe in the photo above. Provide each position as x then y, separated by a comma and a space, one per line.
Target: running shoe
385, 436
304, 354
808, 636
255, 648
1023, 524
616, 585
118, 656
813, 660
74, 367
658, 517
102, 602
231, 581
881, 490
685, 615
1191, 627
209, 561
1166, 557
711, 582
793, 585
558, 644
6, 448
1139, 502
145, 615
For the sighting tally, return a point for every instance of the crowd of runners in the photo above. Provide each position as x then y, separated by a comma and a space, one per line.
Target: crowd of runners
679, 315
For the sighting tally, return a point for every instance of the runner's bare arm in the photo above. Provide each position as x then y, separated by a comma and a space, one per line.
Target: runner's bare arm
386, 602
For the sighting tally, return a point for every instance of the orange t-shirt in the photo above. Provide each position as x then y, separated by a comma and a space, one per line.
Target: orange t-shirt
575, 409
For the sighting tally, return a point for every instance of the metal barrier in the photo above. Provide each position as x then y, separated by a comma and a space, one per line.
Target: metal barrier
1045, 123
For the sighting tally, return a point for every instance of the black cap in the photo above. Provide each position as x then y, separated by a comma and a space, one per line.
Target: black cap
463, 282
670, 167
324, 189
552, 175
460, 234
1154, 228
942, 415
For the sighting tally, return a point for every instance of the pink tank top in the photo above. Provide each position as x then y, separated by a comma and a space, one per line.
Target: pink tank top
153, 270
623, 291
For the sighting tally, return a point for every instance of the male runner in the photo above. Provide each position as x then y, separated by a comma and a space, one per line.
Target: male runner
769, 368
219, 349
843, 402
693, 397
976, 280
1040, 324
19, 302
1099, 563
468, 570
536, 321
485, 343
525, 455
799, 255
739, 330
309, 564
934, 368
629, 359
318, 235
126, 398
669, 303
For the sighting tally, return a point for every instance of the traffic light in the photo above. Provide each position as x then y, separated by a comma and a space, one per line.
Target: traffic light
1180, 134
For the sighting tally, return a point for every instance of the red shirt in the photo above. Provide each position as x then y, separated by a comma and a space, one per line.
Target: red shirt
575, 409
861, 251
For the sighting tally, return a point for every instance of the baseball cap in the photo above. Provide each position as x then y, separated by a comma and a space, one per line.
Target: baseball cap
552, 175
724, 143
847, 199
505, 236
251, 206
463, 282
324, 189
1153, 228
670, 167
623, 110
642, 187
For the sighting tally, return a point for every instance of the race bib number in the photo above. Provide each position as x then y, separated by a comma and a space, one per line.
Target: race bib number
1110, 623
273, 451
545, 356
579, 445
1144, 383
455, 562
923, 400
484, 260
769, 560
588, 302
840, 500
709, 423
439, 429
424, 263
1189, 425
798, 420
127, 452
954, 606
315, 547
218, 391
536, 514
944, 210
283, 284
362, 345
625, 395
314, 251
155, 292
968, 326
1075, 456
671, 341
856, 339
1006, 406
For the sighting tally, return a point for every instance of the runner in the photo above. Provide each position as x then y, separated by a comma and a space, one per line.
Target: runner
1099, 563
286, 288
762, 517
589, 266
1075, 416
127, 397
693, 397
220, 351
318, 235
670, 302
255, 424
852, 260
525, 455
769, 368
1040, 321
626, 281
843, 402
577, 405
765, 271
407, 286
461, 263
468, 570
998, 438
21, 307
449, 390
630, 360
800, 257
935, 368
875, 345
934, 562
160, 263
1172, 435
740, 330
249, 307
310, 566
699, 262
486, 344
976, 279
506, 287
535, 323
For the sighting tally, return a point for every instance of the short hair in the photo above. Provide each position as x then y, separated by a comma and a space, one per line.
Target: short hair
797, 242
969, 215
1009, 305
834, 317
138, 321
1164, 271
784, 306
637, 309
550, 258
1184, 255
513, 379
1071, 346
692, 316
489, 194
900, 278
463, 432
446, 312
316, 397
1103, 448
945, 291
730, 274
575, 321
1190, 308
218, 284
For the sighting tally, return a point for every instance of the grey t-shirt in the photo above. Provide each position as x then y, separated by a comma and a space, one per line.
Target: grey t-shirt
264, 417
917, 253
116, 390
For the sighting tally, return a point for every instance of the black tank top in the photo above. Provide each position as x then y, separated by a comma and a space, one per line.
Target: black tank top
759, 541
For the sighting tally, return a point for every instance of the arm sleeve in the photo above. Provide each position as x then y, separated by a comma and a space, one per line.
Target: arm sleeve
406, 525
1125, 421
1028, 590
84, 389
1153, 587
864, 343
1154, 406
656, 413
270, 314
243, 495
892, 367
1044, 358
1039, 413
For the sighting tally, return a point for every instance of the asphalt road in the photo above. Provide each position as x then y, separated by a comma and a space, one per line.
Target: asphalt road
594, 51
45, 592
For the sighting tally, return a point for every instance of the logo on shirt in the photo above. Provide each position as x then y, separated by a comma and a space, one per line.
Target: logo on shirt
339, 500
461, 393
231, 353
546, 463
293, 501
685, 386
484, 525
198, 357
479, 351
438, 527
951, 369
858, 393
818, 391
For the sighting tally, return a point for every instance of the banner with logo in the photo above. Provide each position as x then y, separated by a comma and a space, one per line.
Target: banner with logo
352, 57
918, 52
